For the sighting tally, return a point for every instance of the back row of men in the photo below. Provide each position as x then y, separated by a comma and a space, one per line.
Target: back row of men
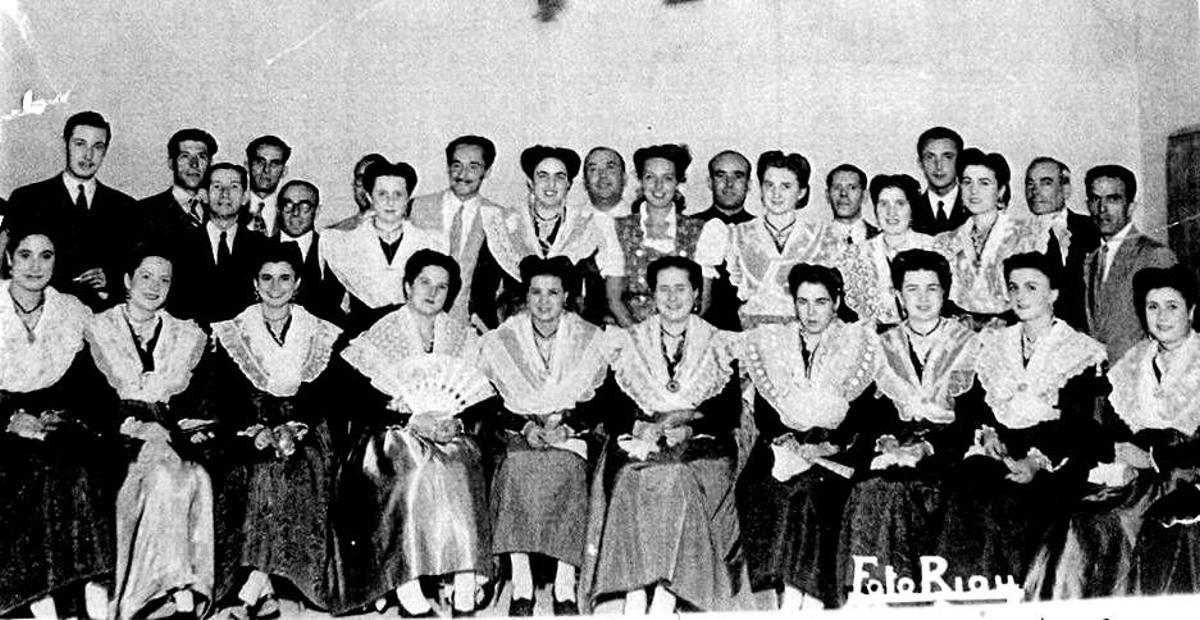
216, 218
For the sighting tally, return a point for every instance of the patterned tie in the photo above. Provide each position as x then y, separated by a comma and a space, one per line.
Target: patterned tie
222, 251
195, 210
258, 223
81, 205
456, 230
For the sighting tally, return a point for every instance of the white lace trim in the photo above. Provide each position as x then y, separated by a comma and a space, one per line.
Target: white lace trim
760, 272
179, 348
578, 365
511, 238
1144, 402
278, 370
58, 337
1023, 395
641, 370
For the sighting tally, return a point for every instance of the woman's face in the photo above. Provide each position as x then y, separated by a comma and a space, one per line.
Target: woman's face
276, 284
1030, 294
921, 296
893, 211
33, 263
1168, 317
149, 284
428, 291
674, 295
659, 182
781, 190
546, 298
815, 308
389, 197
550, 183
981, 191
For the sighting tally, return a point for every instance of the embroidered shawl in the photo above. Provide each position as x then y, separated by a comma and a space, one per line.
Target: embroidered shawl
178, 349
274, 369
949, 371
1142, 401
58, 337
513, 237
641, 370
356, 260
866, 268
760, 272
978, 283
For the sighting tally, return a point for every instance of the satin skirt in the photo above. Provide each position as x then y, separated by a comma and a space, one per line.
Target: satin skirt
405, 507
1167, 555
164, 532
671, 520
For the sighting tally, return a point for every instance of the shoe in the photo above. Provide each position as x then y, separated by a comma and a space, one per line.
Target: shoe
520, 607
566, 608
461, 613
428, 613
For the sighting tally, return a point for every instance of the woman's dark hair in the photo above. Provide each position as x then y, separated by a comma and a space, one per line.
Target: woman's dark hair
389, 169
688, 265
429, 258
535, 155
922, 260
1034, 260
1176, 277
791, 161
556, 266
677, 154
992, 161
902, 182
828, 277
141, 252
281, 253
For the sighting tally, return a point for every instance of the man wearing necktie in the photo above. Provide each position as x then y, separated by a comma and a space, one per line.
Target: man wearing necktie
1069, 236
95, 224
940, 208
266, 160
319, 292
222, 267
1123, 251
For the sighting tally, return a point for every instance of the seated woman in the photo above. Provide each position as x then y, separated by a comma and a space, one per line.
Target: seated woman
671, 521
868, 268
409, 500
760, 253
978, 248
1032, 413
56, 527
1155, 385
1150, 445
550, 226
165, 506
369, 260
274, 492
656, 228
926, 363
546, 364
810, 382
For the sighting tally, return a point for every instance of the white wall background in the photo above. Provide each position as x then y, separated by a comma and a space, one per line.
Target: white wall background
857, 80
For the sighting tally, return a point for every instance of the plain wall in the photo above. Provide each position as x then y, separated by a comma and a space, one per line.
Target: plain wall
857, 81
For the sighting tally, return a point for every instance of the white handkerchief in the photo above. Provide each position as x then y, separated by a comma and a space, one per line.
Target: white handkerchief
637, 448
788, 463
1111, 474
578, 446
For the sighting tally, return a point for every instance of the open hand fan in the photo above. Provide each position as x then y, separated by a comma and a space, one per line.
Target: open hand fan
439, 385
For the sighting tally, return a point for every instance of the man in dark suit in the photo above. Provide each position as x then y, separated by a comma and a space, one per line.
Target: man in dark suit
266, 161
845, 187
1069, 236
1123, 251
221, 267
940, 207
94, 223
320, 292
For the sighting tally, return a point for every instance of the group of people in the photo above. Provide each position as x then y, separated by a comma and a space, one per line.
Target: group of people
211, 405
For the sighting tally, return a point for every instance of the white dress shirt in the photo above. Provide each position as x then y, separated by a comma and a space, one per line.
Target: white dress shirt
72, 183
214, 238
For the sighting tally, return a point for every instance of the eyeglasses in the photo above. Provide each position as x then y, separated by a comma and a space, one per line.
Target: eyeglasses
304, 206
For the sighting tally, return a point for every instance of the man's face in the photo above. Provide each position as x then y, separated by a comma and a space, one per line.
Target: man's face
467, 171
1108, 205
1045, 191
191, 164
85, 151
297, 209
266, 169
550, 183
729, 181
225, 193
938, 162
604, 177
845, 194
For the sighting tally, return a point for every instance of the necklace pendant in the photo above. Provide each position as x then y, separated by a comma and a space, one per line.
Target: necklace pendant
672, 386
30, 337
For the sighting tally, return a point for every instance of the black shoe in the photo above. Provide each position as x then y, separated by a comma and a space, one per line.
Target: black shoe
428, 613
520, 607
461, 613
566, 608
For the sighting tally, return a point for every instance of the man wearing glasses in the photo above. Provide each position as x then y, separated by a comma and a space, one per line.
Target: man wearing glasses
320, 292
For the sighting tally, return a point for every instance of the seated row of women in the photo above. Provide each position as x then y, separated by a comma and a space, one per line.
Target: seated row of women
263, 465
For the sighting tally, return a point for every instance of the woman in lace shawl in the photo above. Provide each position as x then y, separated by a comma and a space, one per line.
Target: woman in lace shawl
810, 383
56, 525
671, 522
926, 363
409, 498
1032, 413
164, 508
275, 488
546, 364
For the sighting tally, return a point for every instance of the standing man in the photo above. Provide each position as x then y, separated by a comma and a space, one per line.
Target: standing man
941, 207
93, 223
172, 217
223, 266
729, 181
320, 293
266, 159
362, 198
845, 186
604, 180
1123, 251
1069, 237
456, 215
